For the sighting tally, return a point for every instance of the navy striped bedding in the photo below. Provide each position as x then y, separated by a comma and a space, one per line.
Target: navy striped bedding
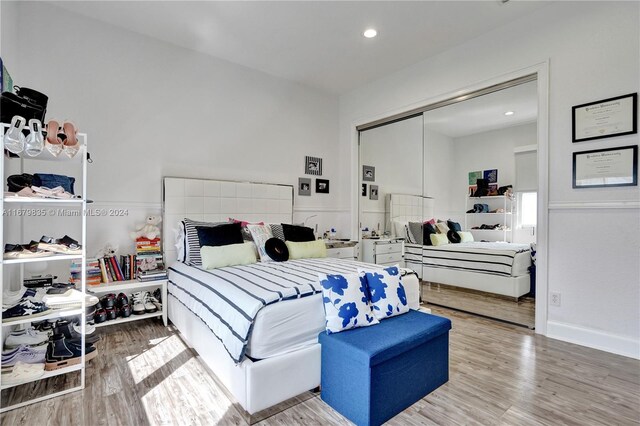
495, 258
228, 299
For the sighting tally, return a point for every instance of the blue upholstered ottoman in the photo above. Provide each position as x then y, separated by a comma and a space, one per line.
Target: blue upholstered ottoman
370, 374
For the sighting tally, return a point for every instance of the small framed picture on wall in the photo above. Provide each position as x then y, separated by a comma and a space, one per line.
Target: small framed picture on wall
364, 189
373, 192
322, 186
312, 166
304, 186
369, 173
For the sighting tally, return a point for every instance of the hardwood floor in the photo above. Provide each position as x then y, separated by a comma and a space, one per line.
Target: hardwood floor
499, 375
522, 312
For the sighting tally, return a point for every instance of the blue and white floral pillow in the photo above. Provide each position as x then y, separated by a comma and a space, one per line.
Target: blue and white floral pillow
386, 292
346, 304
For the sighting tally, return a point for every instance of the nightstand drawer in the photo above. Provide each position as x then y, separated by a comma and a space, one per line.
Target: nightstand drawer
388, 248
342, 253
388, 258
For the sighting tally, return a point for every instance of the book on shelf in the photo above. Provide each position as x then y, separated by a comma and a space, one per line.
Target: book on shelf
93, 272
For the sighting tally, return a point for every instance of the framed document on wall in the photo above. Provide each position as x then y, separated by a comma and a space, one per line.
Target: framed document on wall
606, 118
606, 167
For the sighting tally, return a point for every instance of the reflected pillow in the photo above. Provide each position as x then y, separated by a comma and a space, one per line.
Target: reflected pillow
439, 239
442, 228
415, 232
454, 226
428, 229
465, 236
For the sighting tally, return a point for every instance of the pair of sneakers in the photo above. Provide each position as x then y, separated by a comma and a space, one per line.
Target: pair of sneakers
29, 337
145, 303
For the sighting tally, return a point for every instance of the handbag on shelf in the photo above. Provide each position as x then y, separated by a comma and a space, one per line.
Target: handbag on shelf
27, 103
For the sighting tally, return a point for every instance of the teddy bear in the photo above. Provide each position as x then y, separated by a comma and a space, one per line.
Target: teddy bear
107, 251
149, 230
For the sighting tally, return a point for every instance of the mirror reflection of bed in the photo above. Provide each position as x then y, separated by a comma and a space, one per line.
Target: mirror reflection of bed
492, 137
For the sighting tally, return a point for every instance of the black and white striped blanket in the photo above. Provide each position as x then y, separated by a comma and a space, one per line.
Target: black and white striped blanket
228, 299
483, 257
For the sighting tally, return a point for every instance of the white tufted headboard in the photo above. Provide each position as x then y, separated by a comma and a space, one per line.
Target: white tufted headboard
217, 201
408, 208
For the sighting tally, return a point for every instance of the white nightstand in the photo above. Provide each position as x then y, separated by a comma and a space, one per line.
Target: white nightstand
383, 251
342, 249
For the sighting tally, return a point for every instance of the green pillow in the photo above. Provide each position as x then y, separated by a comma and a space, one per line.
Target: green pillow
465, 236
230, 255
307, 249
439, 239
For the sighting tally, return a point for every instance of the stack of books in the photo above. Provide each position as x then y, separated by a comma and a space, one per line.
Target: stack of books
149, 263
111, 269
94, 275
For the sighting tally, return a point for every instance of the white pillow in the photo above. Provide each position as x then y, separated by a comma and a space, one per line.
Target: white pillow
306, 249
229, 255
346, 304
386, 292
260, 235
400, 229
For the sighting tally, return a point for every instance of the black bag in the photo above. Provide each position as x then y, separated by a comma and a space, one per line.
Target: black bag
27, 103
503, 189
482, 188
17, 182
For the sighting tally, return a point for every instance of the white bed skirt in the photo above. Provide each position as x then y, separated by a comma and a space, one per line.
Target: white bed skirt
263, 384
506, 286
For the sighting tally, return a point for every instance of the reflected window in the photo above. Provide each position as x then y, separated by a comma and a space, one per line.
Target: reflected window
528, 211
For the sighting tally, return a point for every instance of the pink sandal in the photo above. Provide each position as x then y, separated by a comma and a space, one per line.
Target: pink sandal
71, 144
53, 142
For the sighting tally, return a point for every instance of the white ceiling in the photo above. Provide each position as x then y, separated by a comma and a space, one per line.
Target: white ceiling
316, 43
486, 112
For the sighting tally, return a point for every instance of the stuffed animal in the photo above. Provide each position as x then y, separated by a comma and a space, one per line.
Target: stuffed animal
149, 230
107, 251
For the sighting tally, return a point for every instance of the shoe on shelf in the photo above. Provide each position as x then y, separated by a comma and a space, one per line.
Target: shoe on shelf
71, 144
25, 308
22, 373
60, 288
69, 299
73, 334
111, 314
108, 300
100, 316
125, 311
24, 251
53, 141
64, 245
23, 354
61, 354
27, 337
121, 300
142, 303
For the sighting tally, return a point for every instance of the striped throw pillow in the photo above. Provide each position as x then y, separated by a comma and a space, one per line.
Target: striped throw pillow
191, 241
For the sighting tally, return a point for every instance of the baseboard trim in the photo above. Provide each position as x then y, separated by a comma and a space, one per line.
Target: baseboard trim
595, 339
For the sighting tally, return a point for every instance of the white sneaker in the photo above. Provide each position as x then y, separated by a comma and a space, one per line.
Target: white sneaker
28, 337
21, 373
139, 299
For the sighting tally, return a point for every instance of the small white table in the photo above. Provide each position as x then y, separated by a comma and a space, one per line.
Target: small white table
383, 251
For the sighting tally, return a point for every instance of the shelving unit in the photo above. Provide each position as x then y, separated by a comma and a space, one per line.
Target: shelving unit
15, 267
477, 219
129, 287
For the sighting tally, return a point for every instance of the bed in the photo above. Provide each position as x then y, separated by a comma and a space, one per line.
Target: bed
492, 267
255, 326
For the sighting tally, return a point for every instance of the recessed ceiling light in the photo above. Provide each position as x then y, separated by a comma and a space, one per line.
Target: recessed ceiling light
509, 113
370, 33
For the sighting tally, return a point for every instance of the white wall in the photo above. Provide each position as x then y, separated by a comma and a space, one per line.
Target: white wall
152, 109
593, 53
395, 150
438, 160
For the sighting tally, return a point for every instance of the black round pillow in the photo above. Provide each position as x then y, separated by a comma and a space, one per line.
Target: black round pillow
453, 236
276, 249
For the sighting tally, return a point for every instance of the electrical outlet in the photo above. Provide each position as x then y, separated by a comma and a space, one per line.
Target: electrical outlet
554, 299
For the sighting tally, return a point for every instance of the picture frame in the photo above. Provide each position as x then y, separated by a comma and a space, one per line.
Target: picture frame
369, 173
304, 186
322, 186
373, 192
364, 190
607, 167
605, 118
491, 175
313, 166
474, 176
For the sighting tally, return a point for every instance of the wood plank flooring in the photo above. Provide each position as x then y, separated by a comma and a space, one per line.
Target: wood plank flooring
499, 375
522, 312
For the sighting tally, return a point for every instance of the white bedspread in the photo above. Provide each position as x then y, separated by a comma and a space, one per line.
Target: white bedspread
228, 299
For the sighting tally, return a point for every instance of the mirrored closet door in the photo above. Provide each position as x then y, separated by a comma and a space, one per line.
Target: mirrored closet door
482, 172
